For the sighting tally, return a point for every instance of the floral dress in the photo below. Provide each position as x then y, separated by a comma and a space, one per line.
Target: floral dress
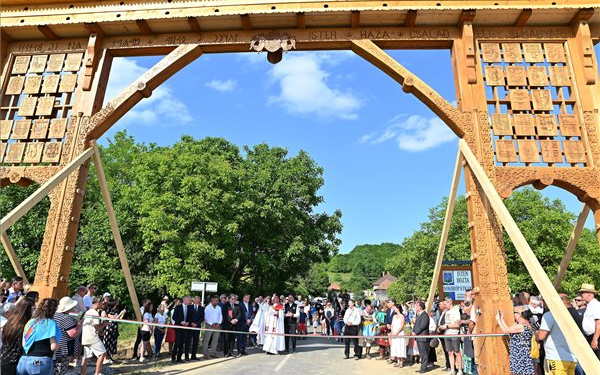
369, 326
519, 348
382, 330
111, 334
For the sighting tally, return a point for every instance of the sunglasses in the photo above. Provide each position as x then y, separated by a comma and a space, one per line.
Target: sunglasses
578, 300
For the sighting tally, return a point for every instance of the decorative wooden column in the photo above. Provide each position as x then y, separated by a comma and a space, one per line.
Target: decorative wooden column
487, 247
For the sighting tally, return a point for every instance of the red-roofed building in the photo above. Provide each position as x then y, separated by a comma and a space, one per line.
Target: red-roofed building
381, 285
334, 286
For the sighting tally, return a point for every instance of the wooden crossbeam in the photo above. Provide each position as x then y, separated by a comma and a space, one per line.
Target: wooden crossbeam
18, 212
523, 17
144, 27
564, 263
246, 22
355, 19
194, 25
114, 227
411, 18
47, 31
577, 342
445, 230
300, 20
12, 256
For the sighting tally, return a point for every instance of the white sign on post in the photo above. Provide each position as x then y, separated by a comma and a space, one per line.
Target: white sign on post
204, 286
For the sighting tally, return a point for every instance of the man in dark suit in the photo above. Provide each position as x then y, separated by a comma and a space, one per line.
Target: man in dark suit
233, 313
247, 311
290, 321
389, 315
181, 317
197, 319
422, 328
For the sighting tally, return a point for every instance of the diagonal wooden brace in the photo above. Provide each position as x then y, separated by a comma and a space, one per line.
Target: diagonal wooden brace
564, 263
12, 256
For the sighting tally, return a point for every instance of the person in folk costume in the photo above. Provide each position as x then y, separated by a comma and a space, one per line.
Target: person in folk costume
274, 324
258, 325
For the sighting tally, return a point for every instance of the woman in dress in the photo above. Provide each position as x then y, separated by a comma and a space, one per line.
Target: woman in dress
40, 340
398, 344
12, 335
383, 343
520, 341
369, 327
111, 332
274, 324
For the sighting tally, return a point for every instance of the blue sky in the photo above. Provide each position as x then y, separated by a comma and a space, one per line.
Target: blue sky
387, 158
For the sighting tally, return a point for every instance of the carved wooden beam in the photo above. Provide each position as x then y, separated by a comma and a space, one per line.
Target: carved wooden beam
573, 240
47, 31
577, 342
194, 25
467, 16
355, 19
94, 28
246, 22
445, 230
523, 17
141, 88
144, 27
91, 60
411, 84
13, 257
411, 18
301, 20
466, 24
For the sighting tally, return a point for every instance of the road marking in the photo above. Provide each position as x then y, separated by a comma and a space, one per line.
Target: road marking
280, 365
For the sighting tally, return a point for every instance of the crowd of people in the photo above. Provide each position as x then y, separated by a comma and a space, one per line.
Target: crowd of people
49, 336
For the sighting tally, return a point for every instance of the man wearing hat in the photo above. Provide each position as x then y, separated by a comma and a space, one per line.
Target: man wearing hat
591, 318
70, 331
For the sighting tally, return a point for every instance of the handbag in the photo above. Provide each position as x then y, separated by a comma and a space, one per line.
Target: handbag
534, 353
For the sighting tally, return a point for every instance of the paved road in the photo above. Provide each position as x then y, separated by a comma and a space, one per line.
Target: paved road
315, 356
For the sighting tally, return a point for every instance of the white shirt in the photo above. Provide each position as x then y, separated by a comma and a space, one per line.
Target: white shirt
161, 318
592, 313
213, 315
556, 345
452, 317
352, 316
89, 335
147, 317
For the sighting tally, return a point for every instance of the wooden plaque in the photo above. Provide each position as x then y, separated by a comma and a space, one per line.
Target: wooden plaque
551, 151
533, 52
546, 125
15, 85
21, 64
506, 151
73, 62
68, 83
574, 152
542, 100
15, 152
512, 52
52, 152
501, 124
569, 126
523, 124
58, 127
515, 75
519, 100
39, 129
38, 64
32, 85
5, 128
2, 151
27, 107
559, 75
494, 76
50, 84
55, 62
491, 52
21, 129
537, 76
45, 106
33, 152
555, 52
528, 151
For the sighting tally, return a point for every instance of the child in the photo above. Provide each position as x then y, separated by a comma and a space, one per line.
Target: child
302, 330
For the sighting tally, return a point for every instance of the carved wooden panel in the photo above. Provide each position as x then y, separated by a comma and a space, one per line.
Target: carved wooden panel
531, 102
36, 107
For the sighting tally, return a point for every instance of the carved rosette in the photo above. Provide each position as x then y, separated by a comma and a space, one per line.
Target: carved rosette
273, 41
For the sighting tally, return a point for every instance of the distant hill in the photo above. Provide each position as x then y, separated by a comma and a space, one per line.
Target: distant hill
374, 256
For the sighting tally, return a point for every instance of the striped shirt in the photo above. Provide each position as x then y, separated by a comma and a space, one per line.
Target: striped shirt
65, 323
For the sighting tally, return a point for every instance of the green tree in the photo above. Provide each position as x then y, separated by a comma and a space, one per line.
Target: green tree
316, 281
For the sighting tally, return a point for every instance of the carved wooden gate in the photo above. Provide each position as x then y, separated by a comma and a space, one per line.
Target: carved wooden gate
526, 81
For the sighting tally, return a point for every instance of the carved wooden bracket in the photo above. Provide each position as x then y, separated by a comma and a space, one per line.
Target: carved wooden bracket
91, 60
466, 24
411, 84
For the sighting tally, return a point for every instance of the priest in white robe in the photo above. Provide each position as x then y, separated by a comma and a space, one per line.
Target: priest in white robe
258, 324
274, 324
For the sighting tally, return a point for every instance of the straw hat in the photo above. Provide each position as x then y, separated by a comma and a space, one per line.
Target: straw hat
65, 304
587, 288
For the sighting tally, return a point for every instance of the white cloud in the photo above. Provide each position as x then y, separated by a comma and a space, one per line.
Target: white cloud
304, 88
413, 133
160, 108
222, 86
